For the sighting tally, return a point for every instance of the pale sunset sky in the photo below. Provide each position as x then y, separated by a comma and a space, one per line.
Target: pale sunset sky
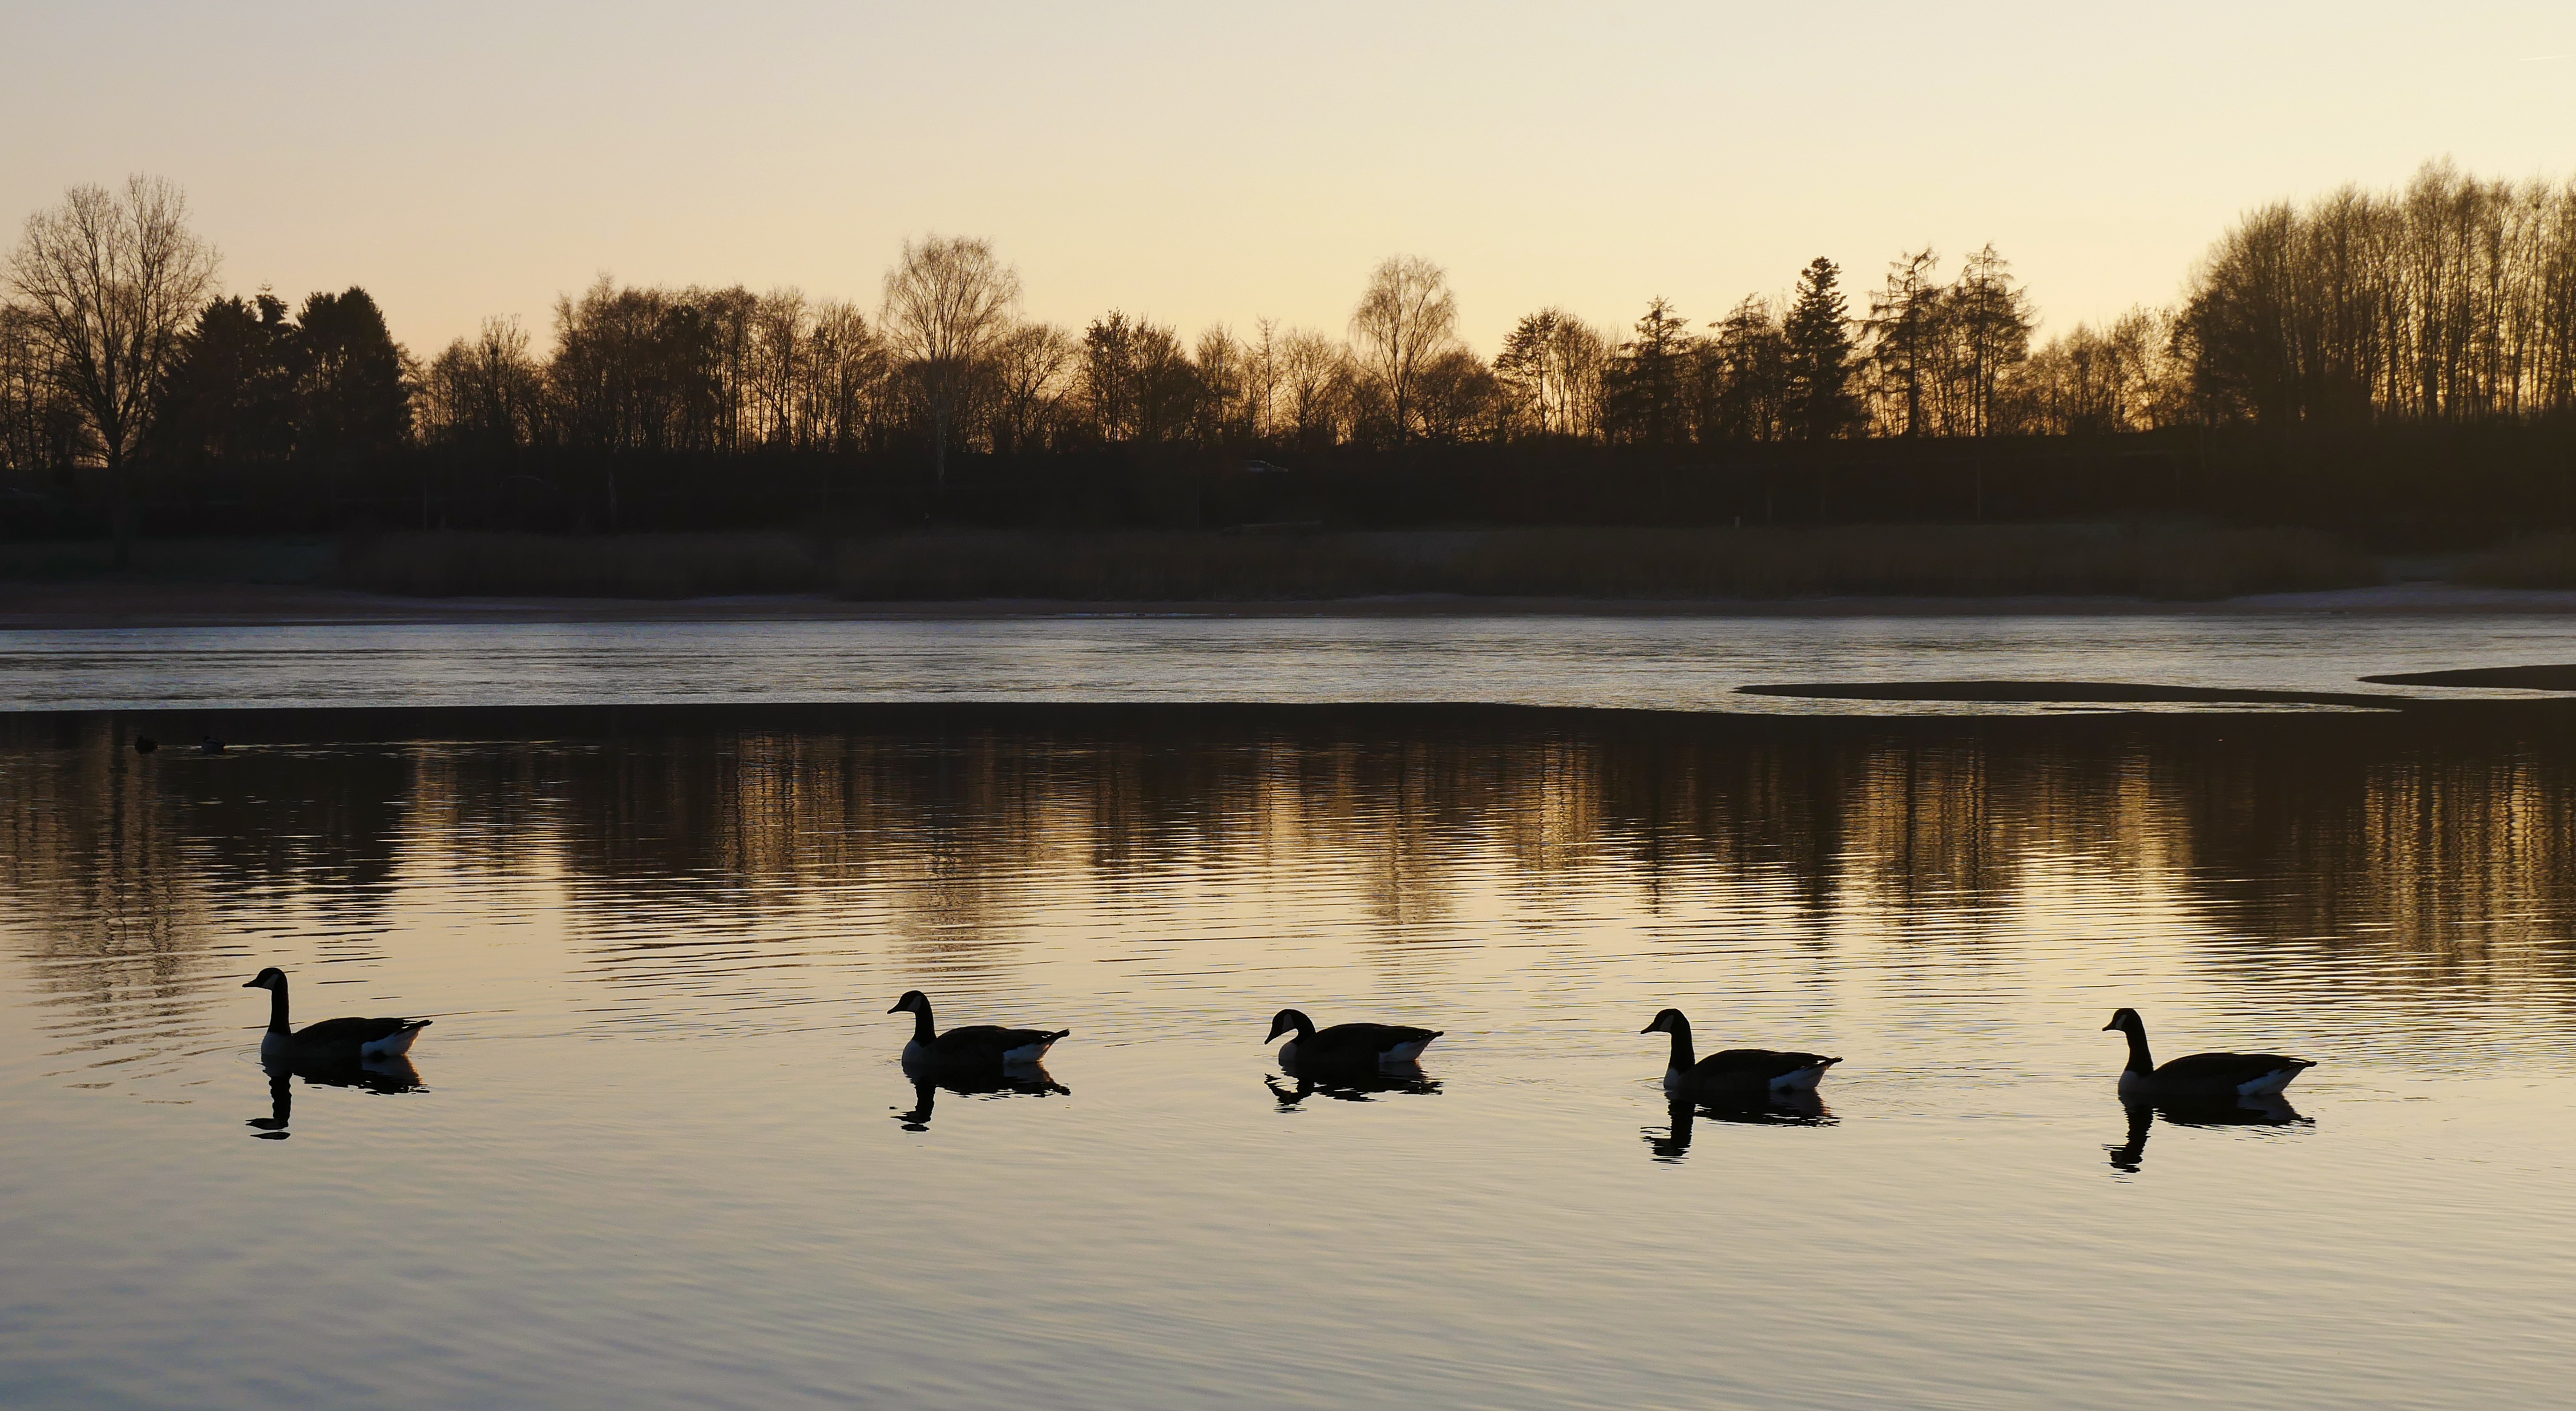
1204, 162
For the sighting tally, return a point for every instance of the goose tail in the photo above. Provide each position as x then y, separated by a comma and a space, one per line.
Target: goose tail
396, 1043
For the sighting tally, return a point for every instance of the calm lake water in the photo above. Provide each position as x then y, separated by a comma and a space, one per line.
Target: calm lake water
1630, 662
657, 1149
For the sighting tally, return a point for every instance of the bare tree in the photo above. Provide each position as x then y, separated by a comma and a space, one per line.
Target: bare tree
945, 303
1031, 365
1315, 378
1550, 368
111, 281
1406, 318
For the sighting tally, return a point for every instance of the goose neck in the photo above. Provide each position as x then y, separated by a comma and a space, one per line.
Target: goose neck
922, 1032
1682, 1055
277, 1010
2140, 1061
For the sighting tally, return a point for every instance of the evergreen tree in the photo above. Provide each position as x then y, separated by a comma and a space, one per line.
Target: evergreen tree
1643, 394
352, 398
1820, 356
230, 393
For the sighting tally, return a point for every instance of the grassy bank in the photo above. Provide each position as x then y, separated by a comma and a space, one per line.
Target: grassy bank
1930, 561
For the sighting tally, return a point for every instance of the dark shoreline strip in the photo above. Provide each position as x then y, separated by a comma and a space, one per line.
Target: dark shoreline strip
2066, 692
2528, 678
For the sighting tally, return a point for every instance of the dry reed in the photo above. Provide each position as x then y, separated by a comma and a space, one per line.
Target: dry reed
2540, 561
1149, 566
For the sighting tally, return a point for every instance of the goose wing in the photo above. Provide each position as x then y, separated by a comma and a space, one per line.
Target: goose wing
1369, 1041
1750, 1065
350, 1033
991, 1043
2211, 1072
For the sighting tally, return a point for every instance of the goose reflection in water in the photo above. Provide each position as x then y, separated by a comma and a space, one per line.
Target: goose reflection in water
391, 1073
1346, 1083
1017, 1080
1788, 1109
2272, 1110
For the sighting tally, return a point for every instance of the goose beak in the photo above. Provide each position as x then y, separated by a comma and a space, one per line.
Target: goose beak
250, 984
1650, 1028
2110, 1026
898, 1009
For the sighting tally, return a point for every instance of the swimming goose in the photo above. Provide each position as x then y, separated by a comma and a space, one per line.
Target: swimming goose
145, 744
1735, 1071
2199, 1077
969, 1044
210, 745
370, 1038
1379, 1045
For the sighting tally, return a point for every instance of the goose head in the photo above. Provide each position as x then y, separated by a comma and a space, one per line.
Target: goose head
913, 1002
271, 979
2126, 1021
1288, 1021
1669, 1021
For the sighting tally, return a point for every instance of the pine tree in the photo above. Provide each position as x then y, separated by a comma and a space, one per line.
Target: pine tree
1820, 356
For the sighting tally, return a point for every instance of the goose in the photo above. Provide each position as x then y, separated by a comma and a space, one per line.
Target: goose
1735, 1072
210, 745
1347, 1045
346, 1038
2199, 1077
145, 744
969, 1044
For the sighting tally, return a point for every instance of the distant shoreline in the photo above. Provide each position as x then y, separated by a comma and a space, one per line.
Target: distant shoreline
103, 606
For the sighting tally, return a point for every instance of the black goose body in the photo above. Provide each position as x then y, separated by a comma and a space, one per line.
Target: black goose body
1735, 1072
2199, 1077
969, 1045
332, 1038
1347, 1045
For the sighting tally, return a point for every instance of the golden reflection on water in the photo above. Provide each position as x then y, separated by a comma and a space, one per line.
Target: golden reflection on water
2423, 861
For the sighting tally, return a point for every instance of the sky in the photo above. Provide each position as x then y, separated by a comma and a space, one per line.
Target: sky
1208, 162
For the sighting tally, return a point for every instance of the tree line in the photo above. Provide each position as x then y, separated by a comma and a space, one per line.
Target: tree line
2450, 300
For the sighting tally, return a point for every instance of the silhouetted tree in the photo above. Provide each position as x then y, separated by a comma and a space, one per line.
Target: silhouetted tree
1550, 370
1818, 340
1406, 317
352, 400
1745, 384
1031, 366
1643, 389
110, 282
946, 301
486, 393
40, 429
1456, 397
1904, 328
231, 393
